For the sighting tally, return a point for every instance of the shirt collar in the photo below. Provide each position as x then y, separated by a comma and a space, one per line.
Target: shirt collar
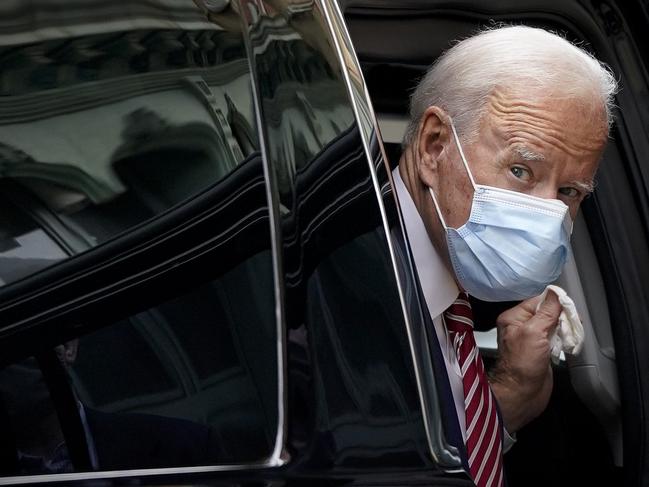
437, 283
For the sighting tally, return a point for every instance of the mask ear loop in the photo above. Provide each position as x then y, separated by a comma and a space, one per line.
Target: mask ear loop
459, 148
439, 212
468, 171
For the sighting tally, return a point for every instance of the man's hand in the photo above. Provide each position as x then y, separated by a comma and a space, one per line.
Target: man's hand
522, 377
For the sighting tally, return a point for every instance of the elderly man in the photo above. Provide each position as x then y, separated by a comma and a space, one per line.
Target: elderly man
507, 129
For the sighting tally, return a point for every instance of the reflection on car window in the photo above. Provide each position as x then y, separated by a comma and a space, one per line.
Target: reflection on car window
189, 382
304, 102
100, 132
196, 377
106, 125
31, 425
24, 246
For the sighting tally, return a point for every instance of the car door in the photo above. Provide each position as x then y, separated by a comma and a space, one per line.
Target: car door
594, 431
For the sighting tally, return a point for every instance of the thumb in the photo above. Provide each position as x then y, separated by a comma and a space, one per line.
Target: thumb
547, 315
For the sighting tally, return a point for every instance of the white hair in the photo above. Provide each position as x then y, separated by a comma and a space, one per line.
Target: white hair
515, 57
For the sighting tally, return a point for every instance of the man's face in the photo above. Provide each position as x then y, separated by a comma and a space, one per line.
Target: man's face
545, 147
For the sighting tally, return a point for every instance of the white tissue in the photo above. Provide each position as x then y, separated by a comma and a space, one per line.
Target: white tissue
568, 337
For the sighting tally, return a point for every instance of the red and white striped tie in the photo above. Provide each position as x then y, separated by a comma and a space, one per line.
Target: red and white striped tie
483, 430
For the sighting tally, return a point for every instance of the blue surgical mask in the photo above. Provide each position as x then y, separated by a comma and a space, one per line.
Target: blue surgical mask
513, 244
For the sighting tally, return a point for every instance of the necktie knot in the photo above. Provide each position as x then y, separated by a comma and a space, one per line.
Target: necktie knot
458, 316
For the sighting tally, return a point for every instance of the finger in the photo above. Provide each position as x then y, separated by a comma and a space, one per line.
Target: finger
531, 303
520, 313
548, 313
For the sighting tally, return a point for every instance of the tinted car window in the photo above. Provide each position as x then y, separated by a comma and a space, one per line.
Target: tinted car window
105, 125
179, 367
24, 246
191, 381
35, 441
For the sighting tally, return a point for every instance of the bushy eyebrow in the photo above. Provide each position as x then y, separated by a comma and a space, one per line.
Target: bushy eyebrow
528, 154
587, 187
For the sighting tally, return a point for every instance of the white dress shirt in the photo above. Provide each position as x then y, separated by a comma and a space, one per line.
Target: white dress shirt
439, 289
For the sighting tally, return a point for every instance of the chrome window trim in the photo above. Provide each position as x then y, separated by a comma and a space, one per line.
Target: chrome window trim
363, 111
108, 474
279, 456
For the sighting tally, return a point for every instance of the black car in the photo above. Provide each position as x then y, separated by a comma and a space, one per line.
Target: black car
204, 274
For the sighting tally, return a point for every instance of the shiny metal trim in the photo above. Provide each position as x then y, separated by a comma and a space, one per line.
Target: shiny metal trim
108, 474
279, 456
438, 447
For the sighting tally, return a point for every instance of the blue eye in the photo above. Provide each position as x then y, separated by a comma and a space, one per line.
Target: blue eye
521, 173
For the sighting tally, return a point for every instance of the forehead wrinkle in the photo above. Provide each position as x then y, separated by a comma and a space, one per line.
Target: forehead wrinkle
548, 131
553, 138
518, 118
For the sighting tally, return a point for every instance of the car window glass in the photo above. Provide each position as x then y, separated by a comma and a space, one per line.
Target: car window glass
105, 125
191, 381
304, 102
33, 441
24, 246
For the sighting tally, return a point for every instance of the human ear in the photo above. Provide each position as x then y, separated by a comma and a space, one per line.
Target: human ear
432, 140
